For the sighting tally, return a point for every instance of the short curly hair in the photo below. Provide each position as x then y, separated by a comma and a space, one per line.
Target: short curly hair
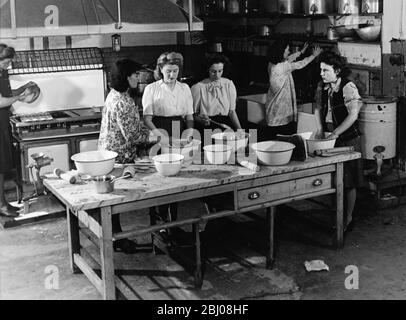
123, 69
216, 58
6, 52
338, 62
172, 58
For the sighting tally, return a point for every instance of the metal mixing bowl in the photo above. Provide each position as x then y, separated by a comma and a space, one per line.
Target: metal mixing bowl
370, 33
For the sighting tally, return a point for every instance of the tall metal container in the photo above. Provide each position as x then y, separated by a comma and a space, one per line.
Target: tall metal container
318, 6
377, 123
290, 6
348, 6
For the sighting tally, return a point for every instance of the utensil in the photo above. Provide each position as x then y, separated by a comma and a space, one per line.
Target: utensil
234, 139
369, 33
318, 6
95, 163
217, 153
273, 153
221, 125
320, 144
333, 151
104, 184
168, 164
348, 6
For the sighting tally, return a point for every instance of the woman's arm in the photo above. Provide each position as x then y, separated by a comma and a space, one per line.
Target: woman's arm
6, 102
318, 114
353, 102
128, 121
148, 122
233, 103
303, 63
234, 119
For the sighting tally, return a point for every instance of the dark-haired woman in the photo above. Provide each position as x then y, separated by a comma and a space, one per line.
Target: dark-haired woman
7, 98
281, 107
214, 98
121, 129
337, 107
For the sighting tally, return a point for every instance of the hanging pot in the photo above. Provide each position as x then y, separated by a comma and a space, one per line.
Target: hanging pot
348, 6
371, 6
289, 6
318, 6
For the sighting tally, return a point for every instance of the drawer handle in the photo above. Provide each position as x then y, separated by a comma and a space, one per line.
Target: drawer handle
253, 195
317, 182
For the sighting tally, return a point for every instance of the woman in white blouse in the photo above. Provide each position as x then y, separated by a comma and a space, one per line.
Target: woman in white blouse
214, 98
167, 103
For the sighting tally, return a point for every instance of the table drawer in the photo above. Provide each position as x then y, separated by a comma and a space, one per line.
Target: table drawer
282, 190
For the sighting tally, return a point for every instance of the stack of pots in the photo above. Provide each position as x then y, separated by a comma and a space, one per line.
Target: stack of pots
323, 6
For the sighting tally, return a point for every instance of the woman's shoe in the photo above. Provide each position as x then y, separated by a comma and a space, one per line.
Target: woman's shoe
125, 245
8, 212
349, 227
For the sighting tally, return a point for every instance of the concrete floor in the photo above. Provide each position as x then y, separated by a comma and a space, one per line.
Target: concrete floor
34, 262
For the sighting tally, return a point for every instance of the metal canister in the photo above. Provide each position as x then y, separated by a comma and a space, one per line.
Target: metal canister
332, 34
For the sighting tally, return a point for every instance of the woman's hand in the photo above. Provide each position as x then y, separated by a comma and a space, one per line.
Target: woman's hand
317, 51
333, 135
305, 46
203, 119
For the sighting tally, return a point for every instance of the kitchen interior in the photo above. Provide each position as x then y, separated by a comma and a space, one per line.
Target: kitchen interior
71, 57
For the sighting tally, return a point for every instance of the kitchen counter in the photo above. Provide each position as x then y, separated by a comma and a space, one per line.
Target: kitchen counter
266, 189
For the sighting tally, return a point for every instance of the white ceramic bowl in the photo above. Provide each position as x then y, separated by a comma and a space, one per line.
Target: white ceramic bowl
217, 153
319, 144
235, 140
273, 153
168, 164
95, 163
181, 146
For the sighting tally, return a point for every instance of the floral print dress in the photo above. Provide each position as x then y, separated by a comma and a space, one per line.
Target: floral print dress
121, 129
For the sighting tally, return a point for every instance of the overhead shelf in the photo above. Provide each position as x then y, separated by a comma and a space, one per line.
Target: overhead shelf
27, 18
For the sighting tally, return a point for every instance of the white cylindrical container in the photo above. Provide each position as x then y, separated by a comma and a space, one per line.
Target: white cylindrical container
377, 123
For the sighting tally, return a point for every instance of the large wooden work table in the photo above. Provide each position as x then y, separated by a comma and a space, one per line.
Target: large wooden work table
266, 189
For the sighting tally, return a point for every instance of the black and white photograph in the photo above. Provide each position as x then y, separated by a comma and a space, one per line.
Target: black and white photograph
202, 157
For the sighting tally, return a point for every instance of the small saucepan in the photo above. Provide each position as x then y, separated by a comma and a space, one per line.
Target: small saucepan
104, 184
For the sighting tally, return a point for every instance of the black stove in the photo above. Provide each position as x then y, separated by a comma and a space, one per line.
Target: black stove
62, 123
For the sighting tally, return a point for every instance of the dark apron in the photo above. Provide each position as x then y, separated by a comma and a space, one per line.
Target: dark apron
174, 126
6, 151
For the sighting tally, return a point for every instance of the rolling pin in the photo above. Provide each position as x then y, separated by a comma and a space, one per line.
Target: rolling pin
249, 165
65, 176
333, 151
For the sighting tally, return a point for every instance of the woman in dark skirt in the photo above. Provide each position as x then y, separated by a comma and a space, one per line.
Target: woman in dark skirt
337, 107
7, 98
168, 107
215, 97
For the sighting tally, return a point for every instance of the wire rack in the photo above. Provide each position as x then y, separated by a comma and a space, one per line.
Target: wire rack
57, 60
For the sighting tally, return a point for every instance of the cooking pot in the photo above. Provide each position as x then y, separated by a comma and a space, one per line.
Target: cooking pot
348, 6
290, 6
318, 6
264, 31
371, 6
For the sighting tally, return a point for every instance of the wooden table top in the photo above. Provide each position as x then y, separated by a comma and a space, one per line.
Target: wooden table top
83, 196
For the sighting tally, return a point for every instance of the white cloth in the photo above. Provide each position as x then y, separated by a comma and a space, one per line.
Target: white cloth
214, 98
160, 100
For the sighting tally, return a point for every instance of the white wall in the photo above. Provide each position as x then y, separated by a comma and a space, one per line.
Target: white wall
392, 25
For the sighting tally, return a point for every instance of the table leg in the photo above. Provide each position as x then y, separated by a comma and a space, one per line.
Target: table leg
106, 254
270, 255
339, 206
198, 268
152, 222
73, 238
